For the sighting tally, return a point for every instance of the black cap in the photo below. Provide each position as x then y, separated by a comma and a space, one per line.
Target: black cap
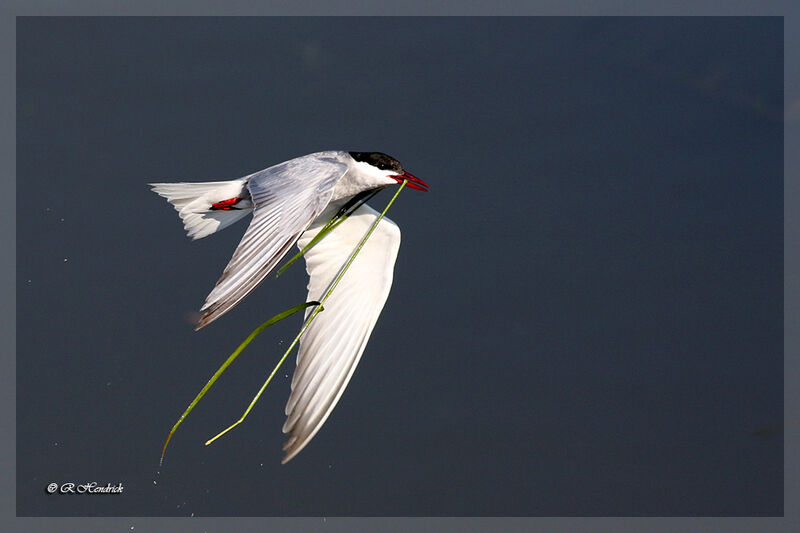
379, 160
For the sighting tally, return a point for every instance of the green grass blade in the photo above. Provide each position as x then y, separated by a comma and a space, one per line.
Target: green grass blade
330, 226
256, 332
313, 315
337, 219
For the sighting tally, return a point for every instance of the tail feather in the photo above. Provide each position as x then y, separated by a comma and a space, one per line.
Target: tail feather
193, 201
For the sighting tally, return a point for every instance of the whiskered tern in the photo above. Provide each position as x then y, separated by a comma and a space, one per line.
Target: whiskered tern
291, 202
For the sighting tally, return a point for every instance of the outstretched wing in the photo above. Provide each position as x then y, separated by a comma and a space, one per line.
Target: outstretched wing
286, 199
332, 345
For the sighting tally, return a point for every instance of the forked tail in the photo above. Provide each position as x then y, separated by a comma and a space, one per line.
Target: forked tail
207, 207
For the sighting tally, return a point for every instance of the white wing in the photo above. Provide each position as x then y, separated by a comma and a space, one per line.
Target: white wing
332, 346
286, 199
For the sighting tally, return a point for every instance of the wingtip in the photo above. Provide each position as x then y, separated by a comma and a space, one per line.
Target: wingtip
290, 449
209, 313
289, 455
203, 321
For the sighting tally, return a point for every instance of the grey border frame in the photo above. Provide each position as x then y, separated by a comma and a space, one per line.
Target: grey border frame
12, 8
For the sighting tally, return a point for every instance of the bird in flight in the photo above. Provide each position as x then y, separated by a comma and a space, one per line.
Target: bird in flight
291, 202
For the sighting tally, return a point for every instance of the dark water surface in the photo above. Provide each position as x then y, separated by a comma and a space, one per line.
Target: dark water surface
586, 318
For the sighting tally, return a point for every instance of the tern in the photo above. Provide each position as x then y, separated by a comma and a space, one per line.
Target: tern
290, 203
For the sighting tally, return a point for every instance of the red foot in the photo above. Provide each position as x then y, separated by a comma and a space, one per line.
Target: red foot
225, 205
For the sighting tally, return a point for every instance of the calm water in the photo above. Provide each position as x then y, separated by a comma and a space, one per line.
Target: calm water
586, 318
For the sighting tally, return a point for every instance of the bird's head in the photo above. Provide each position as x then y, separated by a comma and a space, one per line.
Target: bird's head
386, 167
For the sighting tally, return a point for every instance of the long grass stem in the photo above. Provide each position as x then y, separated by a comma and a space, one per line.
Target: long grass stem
256, 332
313, 315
